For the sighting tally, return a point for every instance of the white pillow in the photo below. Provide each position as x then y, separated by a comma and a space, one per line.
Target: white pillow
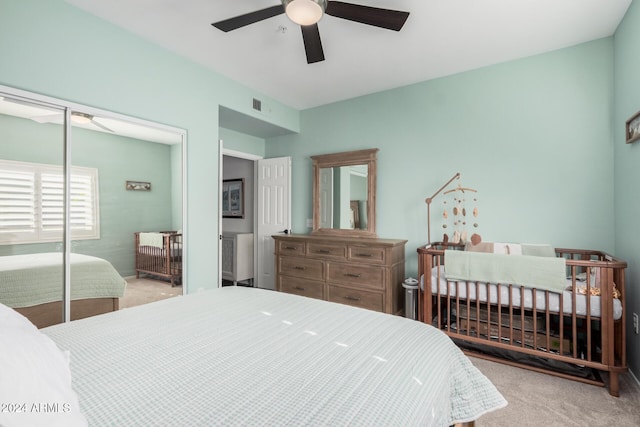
35, 380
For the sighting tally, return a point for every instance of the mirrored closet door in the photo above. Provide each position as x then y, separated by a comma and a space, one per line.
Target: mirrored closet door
120, 201
31, 249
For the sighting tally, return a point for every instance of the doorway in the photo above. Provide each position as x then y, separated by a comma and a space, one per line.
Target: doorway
270, 195
268, 190
238, 213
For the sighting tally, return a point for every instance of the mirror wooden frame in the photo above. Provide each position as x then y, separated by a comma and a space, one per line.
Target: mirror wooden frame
361, 157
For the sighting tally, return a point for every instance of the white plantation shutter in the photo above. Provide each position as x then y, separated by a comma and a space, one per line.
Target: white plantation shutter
52, 204
32, 203
17, 203
83, 203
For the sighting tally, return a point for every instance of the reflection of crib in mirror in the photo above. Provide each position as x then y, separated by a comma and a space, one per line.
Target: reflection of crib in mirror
159, 255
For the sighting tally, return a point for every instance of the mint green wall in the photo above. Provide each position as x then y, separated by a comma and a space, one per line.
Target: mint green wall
242, 142
627, 170
52, 48
123, 212
117, 159
533, 136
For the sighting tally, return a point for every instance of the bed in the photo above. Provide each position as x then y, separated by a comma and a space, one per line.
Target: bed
32, 284
248, 356
573, 327
159, 254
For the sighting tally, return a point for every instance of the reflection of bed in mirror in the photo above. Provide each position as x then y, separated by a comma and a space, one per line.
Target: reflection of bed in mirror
32, 284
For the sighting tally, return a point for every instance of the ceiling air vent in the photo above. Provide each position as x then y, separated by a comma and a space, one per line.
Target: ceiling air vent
257, 104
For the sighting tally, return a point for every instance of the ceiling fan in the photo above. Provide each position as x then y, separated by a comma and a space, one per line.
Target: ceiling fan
307, 13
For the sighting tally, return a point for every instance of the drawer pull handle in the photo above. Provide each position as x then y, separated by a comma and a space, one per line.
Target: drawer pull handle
364, 255
290, 247
324, 251
298, 267
350, 298
300, 288
352, 275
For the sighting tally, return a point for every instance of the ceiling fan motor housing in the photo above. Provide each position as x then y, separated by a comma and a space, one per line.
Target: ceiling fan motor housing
304, 12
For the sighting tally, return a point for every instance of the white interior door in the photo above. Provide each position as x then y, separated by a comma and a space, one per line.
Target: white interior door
273, 214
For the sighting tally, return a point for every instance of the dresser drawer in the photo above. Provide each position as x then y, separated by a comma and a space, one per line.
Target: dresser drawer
363, 272
303, 287
286, 247
327, 250
366, 254
356, 297
365, 276
301, 267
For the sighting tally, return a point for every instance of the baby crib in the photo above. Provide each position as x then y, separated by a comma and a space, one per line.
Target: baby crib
580, 329
159, 255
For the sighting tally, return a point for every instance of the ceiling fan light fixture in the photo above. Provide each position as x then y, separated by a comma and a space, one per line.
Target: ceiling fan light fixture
80, 118
304, 12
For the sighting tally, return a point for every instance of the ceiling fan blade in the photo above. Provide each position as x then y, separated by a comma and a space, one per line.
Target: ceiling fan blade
47, 118
383, 18
312, 43
101, 126
248, 18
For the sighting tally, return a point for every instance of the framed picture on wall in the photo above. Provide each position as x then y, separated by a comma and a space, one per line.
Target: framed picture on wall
633, 128
138, 186
233, 198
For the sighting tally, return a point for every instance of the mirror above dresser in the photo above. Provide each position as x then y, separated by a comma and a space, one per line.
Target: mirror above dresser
344, 193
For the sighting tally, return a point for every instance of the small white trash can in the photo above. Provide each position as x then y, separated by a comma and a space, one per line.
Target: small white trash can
410, 286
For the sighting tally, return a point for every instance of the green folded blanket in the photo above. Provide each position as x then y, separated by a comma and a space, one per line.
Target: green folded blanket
548, 273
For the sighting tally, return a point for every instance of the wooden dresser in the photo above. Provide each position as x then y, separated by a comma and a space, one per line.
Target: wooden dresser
362, 272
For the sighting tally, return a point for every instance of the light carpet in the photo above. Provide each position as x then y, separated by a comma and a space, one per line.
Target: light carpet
143, 291
537, 399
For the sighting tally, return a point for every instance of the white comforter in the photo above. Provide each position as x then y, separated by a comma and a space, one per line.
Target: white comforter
243, 356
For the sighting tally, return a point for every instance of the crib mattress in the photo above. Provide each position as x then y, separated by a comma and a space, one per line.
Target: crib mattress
489, 293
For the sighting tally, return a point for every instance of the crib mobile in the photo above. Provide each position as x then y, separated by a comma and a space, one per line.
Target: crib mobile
455, 213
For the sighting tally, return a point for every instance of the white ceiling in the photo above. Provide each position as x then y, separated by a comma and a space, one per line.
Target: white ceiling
441, 37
